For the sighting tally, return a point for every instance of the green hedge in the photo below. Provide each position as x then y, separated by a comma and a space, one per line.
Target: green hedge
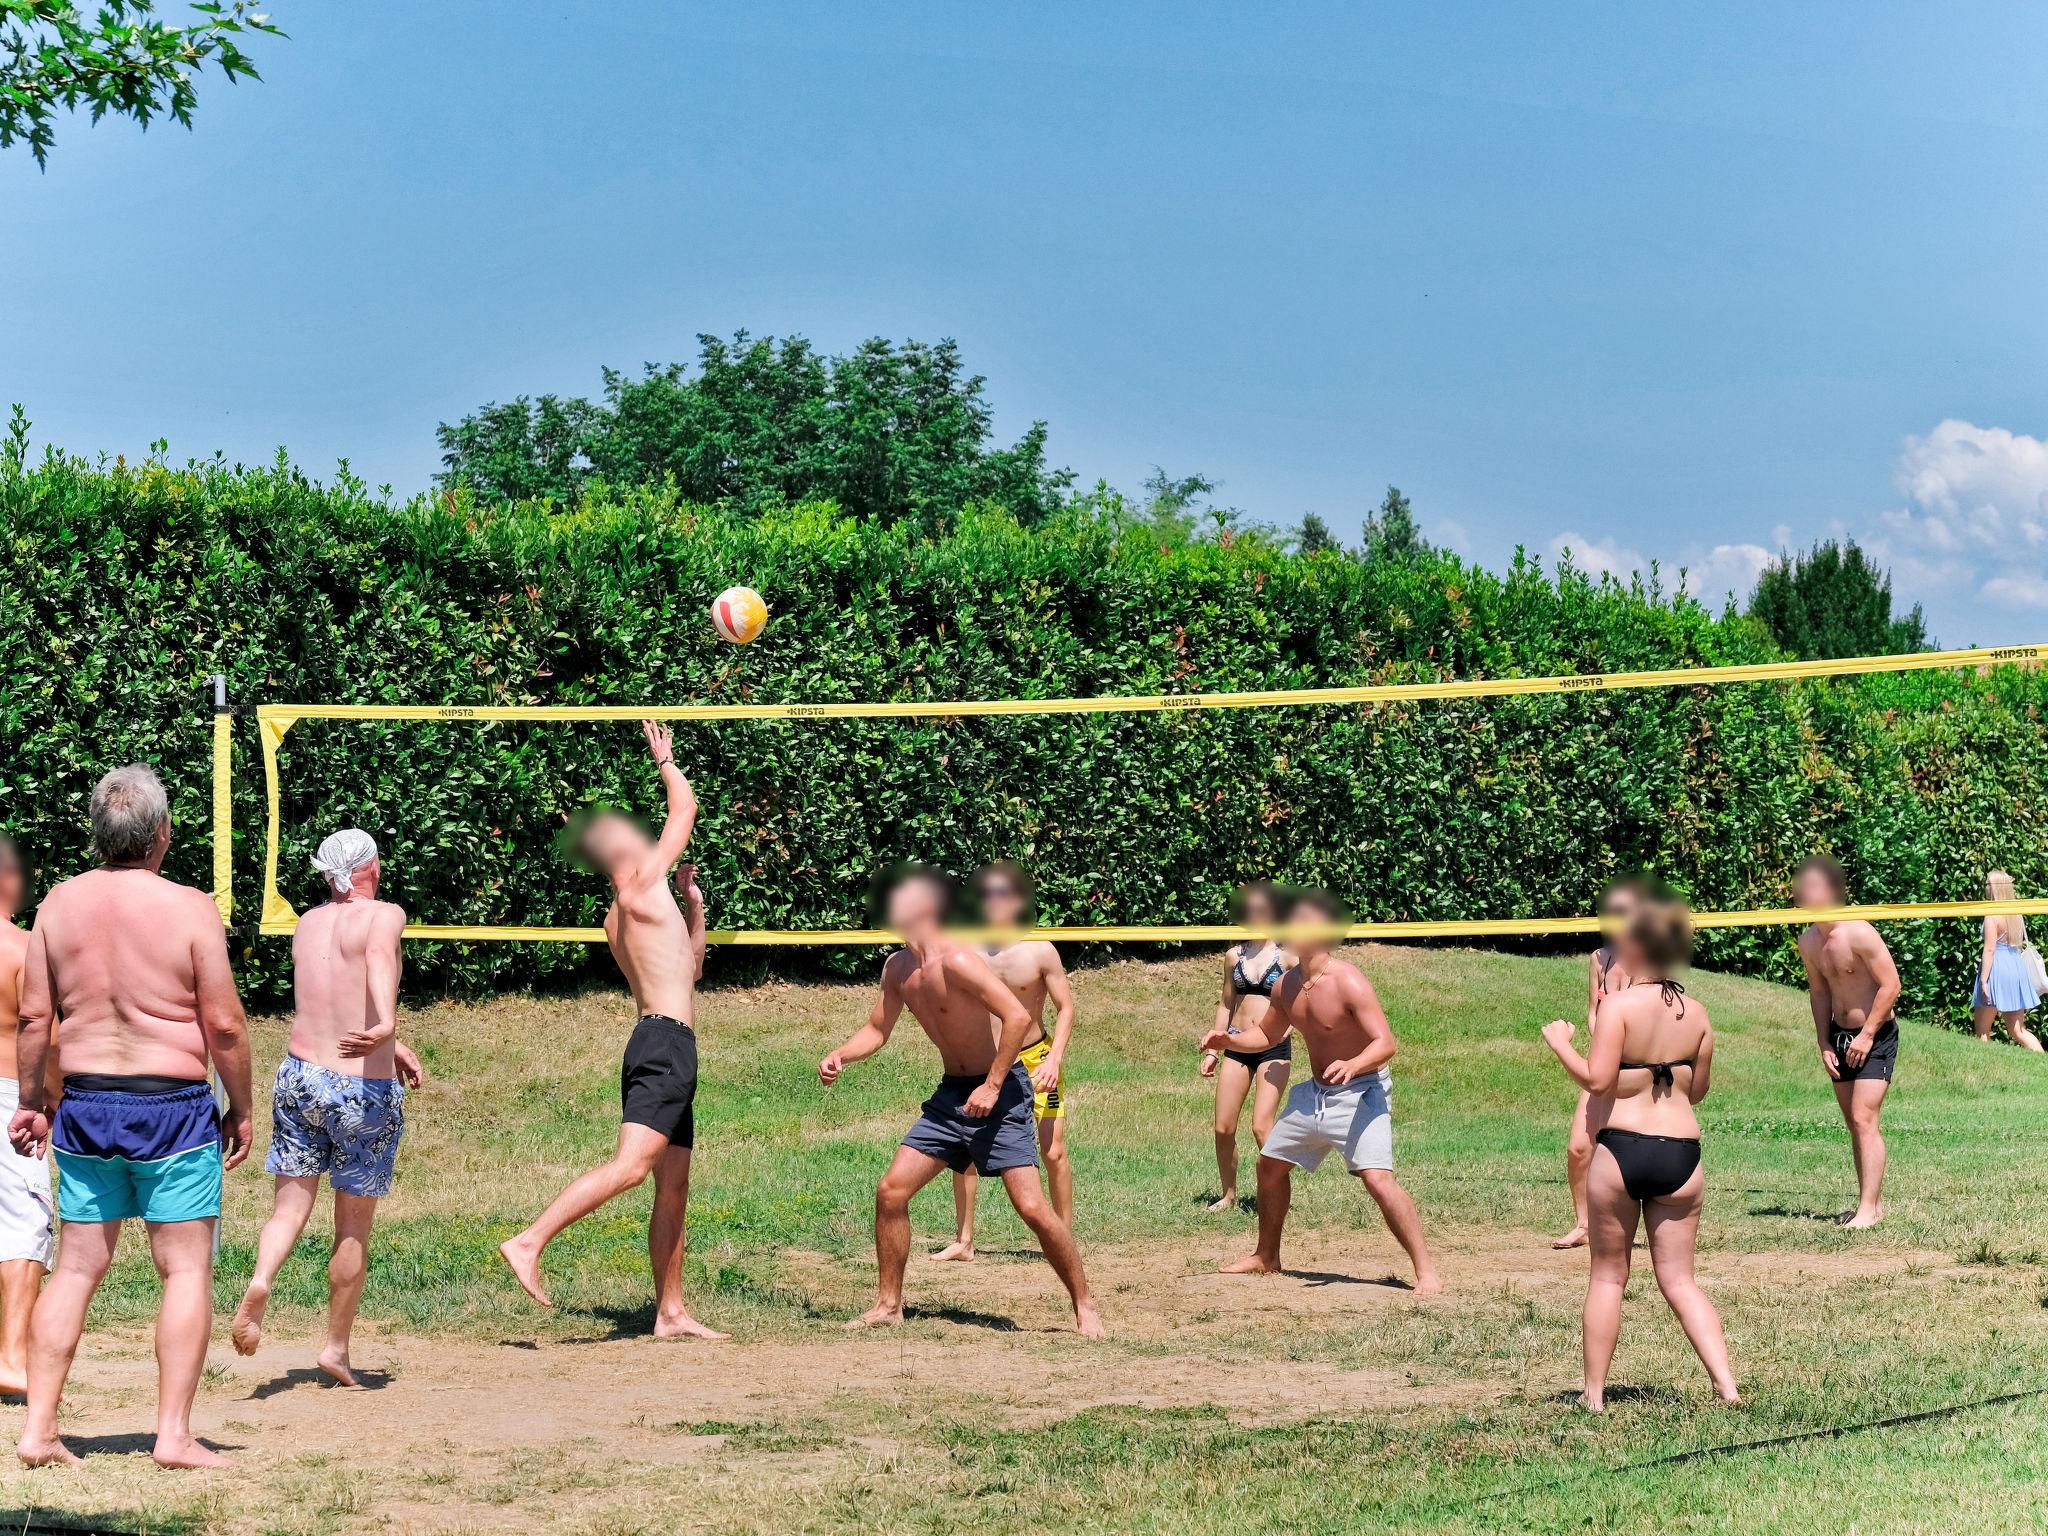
121, 587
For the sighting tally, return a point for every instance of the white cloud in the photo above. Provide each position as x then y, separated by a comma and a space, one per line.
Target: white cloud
1974, 527
1970, 539
1724, 569
1710, 574
1597, 557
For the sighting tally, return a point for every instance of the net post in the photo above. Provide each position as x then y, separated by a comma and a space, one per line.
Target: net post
223, 798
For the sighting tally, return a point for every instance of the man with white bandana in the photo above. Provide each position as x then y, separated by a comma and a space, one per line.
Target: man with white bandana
338, 1107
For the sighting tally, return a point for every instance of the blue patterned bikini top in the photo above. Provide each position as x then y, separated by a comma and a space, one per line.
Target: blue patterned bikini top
1264, 986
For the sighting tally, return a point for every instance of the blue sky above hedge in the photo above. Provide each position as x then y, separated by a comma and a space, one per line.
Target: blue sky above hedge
1648, 284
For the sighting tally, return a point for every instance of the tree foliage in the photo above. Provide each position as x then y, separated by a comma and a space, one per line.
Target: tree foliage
1391, 532
121, 59
888, 432
1832, 602
123, 586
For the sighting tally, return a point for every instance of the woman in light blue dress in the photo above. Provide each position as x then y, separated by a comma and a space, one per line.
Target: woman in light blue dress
2004, 988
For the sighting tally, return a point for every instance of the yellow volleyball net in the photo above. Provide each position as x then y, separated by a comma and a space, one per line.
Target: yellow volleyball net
274, 723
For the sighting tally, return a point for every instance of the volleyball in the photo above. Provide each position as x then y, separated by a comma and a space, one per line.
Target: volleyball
739, 614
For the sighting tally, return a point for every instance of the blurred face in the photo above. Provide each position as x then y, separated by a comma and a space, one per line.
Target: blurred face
12, 886
612, 840
1257, 908
914, 906
1002, 903
1814, 889
1310, 927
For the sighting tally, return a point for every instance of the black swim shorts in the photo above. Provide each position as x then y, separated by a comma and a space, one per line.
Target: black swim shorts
658, 1079
1879, 1064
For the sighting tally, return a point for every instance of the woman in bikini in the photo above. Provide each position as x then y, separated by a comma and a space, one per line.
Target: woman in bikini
1250, 972
1650, 1059
1604, 974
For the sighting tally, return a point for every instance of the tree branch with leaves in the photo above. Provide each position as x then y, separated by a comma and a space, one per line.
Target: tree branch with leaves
122, 59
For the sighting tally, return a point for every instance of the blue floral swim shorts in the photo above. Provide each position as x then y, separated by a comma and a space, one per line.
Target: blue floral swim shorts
330, 1122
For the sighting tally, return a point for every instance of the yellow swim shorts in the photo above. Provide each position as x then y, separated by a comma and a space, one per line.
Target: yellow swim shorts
1047, 1106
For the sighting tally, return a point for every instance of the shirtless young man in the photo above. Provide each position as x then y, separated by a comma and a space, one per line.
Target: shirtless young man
1031, 969
980, 1114
137, 969
660, 948
28, 1215
1344, 1106
1854, 989
338, 1106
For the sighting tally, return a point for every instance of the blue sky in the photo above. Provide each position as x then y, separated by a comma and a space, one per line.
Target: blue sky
1655, 283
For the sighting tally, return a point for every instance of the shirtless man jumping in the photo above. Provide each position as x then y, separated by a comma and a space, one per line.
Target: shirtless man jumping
137, 970
28, 1214
1344, 1105
660, 948
1854, 989
338, 1106
1031, 969
980, 1114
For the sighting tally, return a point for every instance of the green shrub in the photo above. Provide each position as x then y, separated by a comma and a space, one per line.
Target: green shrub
121, 587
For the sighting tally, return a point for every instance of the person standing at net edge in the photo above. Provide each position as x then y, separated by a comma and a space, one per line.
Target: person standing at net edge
1853, 987
2004, 989
660, 949
136, 968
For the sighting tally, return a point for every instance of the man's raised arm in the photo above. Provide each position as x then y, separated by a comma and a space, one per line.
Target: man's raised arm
225, 1027
682, 800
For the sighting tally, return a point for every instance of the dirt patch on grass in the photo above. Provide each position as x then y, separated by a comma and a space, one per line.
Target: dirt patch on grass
533, 1428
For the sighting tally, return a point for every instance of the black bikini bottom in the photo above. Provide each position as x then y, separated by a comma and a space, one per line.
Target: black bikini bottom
1652, 1166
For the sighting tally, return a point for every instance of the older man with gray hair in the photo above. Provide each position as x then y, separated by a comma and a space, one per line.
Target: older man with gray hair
136, 968
338, 1107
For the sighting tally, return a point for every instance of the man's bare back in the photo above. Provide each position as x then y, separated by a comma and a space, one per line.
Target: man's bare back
1841, 954
333, 992
125, 950
945, 990
13, 955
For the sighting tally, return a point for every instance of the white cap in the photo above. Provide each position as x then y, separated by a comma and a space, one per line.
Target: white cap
343, 854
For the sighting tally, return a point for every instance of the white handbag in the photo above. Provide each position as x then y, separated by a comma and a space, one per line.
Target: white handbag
2037, 968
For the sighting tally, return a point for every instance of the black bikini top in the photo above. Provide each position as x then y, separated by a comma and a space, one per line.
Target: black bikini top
1264, 986
1660, 1071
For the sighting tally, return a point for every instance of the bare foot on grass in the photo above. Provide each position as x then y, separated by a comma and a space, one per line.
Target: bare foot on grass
1257, 1264
523, 1259
247, 1329
1087, 1321
1429, 1283
685, 1326
955, 1253
45, 1453
1576, 1238
1863, 1219
878, 1316
1227, 1203
187, 1455
335, 1363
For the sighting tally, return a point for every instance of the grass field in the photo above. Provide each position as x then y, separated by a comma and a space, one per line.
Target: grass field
1328, 1399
